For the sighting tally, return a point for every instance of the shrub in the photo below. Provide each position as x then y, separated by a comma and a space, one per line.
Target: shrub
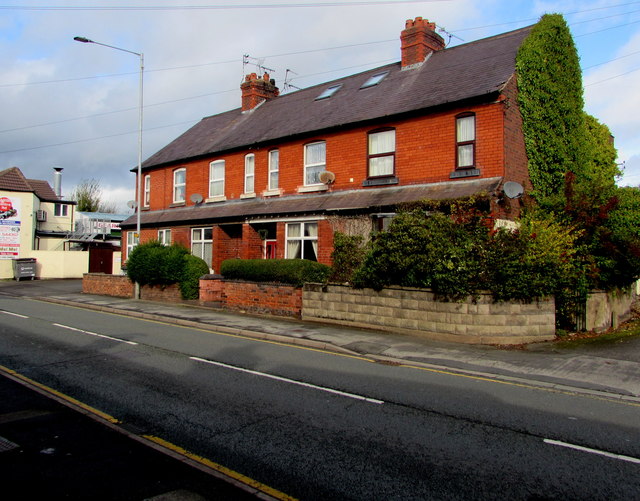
431, 251
194, 268
289, 271
348, 254
152, 263
537, 260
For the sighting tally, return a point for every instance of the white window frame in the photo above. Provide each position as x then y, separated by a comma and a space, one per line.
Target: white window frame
147, 191
132, 242
179, 188
308, 232
216, 181
164, 236
317, 167
61, 210
206, 243
249, 174
274, 169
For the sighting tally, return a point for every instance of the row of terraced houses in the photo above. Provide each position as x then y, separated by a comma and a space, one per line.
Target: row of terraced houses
279, 175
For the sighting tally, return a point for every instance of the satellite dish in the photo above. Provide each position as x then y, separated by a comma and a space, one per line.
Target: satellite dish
327, 177
196, 198
513, 189
132, 204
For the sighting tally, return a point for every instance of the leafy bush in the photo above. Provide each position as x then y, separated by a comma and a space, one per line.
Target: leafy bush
432, 251
194, 268
348, 254
537, 260
152, 263
289, 271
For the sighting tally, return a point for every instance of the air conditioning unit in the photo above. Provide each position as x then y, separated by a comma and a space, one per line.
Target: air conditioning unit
41, 216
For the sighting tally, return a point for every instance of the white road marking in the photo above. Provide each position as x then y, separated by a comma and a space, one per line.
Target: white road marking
592, 451
95, 334
13, 314
292, 381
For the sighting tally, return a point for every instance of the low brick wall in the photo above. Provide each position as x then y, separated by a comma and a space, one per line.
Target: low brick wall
608, 309
416, 312
265, 298
107, 285
120, 286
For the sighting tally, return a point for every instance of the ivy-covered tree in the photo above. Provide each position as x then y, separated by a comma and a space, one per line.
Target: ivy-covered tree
551, 103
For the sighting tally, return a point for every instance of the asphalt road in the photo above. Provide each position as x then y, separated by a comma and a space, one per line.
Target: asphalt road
321, 426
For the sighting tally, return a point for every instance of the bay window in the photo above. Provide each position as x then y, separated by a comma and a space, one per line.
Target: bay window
202, 243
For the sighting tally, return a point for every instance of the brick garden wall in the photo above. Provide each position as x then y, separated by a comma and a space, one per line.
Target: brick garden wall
107, 285
272, 299
416, 312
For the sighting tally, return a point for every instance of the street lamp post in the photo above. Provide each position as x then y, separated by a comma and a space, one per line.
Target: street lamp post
140, 115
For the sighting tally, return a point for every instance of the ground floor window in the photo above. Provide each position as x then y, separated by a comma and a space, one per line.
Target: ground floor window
302, 241
132, 241
202, 243
164, 237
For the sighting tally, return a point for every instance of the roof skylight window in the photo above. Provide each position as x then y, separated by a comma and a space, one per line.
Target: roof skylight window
328, 92
374, 79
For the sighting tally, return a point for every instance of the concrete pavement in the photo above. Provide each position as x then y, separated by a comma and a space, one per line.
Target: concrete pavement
612, 368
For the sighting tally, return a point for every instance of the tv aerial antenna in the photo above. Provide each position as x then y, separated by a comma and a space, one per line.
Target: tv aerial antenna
450, 35
258, 62
287, 83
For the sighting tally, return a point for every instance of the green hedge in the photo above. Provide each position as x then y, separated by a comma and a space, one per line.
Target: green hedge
153, 263
288, 271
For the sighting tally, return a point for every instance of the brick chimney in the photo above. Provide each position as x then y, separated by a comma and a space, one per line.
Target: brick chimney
418, 40
256, 90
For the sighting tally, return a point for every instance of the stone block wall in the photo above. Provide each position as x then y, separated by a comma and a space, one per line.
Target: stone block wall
107, 285
416, 312
608, 309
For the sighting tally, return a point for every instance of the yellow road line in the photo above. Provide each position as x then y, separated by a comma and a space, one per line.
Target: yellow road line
222, 469
59, 395
522, 385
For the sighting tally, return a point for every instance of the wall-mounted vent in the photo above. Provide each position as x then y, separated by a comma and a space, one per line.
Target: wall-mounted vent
41, 216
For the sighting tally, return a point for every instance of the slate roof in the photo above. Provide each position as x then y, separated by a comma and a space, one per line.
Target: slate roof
370, 200
13, 179
473, 71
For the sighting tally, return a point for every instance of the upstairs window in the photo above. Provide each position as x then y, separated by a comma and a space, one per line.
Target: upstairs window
147, 191
382, 153
216, 178
249, 173
61, 210
274, 169
465, 141
179, 185
314, 162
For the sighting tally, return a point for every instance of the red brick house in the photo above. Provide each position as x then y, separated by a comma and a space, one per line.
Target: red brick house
277, 177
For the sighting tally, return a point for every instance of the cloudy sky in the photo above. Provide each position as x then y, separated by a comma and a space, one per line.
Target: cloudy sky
74, 105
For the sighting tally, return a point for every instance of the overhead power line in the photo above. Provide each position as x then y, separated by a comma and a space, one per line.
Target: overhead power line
210, 7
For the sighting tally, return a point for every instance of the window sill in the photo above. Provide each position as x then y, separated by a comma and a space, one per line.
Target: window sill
313, 188
380, 181
247, 195
467, 172
178, 204
219, 198
272, 193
